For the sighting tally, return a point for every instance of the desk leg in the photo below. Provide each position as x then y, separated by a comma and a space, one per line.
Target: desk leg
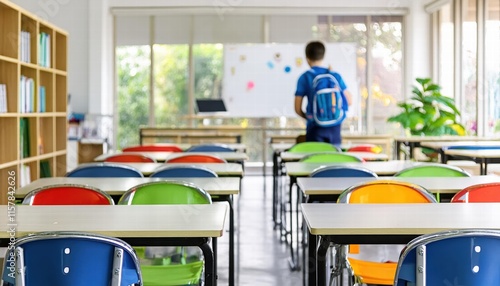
208, 254
231, 241
275, 188
324, 244
293, 260
311, 259
398, 150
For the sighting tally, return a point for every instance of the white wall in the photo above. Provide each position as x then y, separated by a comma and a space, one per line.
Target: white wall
89, 24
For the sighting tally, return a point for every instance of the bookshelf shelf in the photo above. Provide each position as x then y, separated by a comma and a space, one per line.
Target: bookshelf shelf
34, 137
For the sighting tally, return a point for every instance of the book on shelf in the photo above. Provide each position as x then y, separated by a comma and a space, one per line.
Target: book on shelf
24, 134
45, 169
25, 175
44, 50
25, 46
41, 99
27, 95
3, 98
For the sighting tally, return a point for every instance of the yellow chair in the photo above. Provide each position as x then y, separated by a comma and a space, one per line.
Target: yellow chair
377, 192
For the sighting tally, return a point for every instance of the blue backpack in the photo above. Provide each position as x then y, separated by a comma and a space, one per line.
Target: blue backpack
329, 103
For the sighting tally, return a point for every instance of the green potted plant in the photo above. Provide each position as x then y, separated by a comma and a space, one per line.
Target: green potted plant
428, 112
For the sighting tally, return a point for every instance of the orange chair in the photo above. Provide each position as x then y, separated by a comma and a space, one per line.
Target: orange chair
130, 158
382, 192
153, 148
365, 148
196, 158
67, 195
482, 193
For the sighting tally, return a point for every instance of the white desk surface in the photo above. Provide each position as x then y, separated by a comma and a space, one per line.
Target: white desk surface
489, 154
398, 219
443, 138
222, 169
443, 145
120, 221
383, 168
164, 156
117, 186
367, 156
335, 186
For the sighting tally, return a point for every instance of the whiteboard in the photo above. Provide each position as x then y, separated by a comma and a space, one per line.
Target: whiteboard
260, 79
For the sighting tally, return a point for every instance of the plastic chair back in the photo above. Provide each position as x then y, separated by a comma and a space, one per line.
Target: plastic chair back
382, 191
196, 158
330, 158
474, 147
67, 195
304, 147
104, 170
342, 171
370, 148
165, 193
210, 148
432, 170
153, 148
130, 158
482, 193
69, 258
171, 171
457, 257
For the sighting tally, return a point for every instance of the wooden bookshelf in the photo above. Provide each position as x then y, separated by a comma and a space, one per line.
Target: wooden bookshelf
44, 60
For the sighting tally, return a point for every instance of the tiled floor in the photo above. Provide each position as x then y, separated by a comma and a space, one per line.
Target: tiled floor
261, 259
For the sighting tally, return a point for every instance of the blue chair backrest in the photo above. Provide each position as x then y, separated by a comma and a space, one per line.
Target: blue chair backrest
210, 148
474, 147
77, 259
184, 172
104, 170
463, 257
340, 171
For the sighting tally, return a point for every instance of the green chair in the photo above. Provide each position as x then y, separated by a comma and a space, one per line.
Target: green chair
432, 170
313, 147
331, 157
168, 265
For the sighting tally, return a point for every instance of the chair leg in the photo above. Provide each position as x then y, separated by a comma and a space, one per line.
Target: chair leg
341, 267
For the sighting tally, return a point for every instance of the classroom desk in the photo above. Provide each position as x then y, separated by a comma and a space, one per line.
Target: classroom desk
386, 224
482, 157
233, 157
222, 169
441, 147
190, 225
224, 188
416, 141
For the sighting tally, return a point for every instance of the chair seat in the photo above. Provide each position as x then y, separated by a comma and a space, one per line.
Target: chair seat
163, 275
374, 272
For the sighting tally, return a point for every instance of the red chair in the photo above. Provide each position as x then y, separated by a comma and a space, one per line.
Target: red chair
196, 158
153, 148
482, 193
67, 195
130, 158
366, 148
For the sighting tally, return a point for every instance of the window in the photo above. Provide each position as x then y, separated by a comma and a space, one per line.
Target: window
492, 67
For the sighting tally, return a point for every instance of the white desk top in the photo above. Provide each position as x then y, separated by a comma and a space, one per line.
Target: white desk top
444, 145
120, 221
335, 186
163, 156
443, 138
117, 186
398, 219
384, 168
227, 169
489, 153
367, 156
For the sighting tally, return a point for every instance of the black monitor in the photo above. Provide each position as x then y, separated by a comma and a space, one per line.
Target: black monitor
210, 105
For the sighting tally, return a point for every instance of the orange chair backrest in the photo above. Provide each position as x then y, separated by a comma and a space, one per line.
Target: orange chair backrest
68, 195
386, 192
153, 148
196, 158
130, 158
482, 193
366, 148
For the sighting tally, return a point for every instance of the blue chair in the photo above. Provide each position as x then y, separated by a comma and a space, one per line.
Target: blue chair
174, 171
210, 148
456, 257
71, 258
104, 170
474, 147
342, 171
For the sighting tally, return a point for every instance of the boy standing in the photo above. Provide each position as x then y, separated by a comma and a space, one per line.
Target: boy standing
315, 52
